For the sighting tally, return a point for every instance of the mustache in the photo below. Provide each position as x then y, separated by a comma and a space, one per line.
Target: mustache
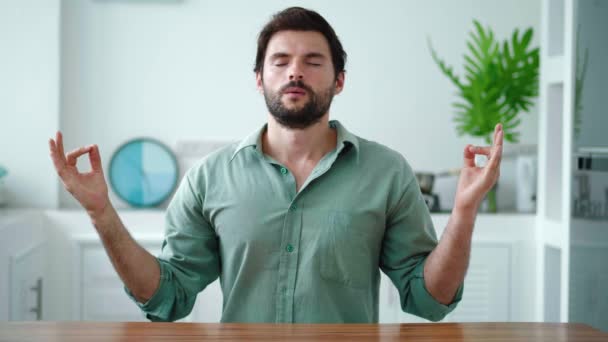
298, 84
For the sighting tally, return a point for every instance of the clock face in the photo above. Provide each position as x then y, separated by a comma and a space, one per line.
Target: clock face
143, 172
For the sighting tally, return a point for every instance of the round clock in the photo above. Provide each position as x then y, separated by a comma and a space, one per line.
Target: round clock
143, 172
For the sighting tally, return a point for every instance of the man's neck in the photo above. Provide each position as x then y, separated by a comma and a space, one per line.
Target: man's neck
295, 147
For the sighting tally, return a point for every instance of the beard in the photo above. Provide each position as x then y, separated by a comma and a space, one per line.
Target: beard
307, 114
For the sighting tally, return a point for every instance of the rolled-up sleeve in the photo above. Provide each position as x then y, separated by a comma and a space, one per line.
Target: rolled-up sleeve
189, 259
408, 240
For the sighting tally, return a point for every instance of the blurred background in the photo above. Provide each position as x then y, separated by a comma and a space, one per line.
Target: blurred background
108, 71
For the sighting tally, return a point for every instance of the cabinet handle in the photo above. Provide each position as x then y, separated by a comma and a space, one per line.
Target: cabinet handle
38, 309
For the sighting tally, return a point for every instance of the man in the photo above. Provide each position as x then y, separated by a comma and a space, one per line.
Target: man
299, 218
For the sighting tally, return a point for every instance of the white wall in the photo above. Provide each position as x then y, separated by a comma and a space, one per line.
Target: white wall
29, 99
183, 69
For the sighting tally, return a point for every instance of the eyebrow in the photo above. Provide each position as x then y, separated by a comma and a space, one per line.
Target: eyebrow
308, 55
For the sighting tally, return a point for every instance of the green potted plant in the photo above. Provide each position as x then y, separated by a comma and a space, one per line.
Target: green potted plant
500, 81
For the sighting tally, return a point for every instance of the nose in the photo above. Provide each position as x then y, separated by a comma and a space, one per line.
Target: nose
295, 72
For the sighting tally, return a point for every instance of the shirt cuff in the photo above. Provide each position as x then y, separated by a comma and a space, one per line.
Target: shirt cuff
428, 305
153, 308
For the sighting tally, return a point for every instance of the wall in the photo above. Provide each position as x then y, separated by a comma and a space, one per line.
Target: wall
183, 69
29, 99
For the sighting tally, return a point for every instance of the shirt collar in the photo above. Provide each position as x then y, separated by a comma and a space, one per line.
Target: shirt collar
255, 139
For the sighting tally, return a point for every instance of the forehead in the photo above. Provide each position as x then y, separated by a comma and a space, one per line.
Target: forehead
297, 43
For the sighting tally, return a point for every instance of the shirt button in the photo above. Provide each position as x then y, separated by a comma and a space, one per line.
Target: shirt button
289, 248
283, 170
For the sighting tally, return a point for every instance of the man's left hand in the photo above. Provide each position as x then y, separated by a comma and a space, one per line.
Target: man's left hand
475, 182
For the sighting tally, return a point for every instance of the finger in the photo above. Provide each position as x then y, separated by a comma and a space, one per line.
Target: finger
498, 139
469, 156
485, 150
57, 162
95, 158
72, 156
498, 134
497, 151
59, 143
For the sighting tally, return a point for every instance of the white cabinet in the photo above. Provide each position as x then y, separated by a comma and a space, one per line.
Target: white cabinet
96, 290
27, 277
23, 265
486, 296
499, 284
208, 307
99, 290
102, 298
100, 295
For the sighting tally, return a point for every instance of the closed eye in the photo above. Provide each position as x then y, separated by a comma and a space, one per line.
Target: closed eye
284, 64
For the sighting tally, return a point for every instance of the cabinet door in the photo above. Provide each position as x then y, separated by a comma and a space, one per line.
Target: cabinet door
486, 296
102, 294
23, 265
26, 273
208, 307
388, 307
103, 298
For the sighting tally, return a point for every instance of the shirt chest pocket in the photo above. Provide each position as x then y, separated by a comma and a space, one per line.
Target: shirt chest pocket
349, 255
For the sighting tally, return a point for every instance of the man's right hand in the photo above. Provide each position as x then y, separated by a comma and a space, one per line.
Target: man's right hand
90, 189
137, 268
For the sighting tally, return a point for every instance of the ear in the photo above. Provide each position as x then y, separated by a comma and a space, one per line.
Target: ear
340, 82
258, 82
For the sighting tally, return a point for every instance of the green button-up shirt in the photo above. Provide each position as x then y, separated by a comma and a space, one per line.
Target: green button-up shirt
283, 256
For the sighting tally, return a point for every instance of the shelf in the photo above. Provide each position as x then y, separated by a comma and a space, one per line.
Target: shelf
552, 234
553, 69
505, 227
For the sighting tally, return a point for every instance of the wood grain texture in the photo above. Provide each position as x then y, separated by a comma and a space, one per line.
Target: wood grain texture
138, 331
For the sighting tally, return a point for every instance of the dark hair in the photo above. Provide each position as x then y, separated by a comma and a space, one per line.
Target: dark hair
300, 19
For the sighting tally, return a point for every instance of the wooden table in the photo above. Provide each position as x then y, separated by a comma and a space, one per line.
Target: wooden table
133, 331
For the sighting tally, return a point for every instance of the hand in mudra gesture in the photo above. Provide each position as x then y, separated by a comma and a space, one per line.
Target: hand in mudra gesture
475, 182
90, 188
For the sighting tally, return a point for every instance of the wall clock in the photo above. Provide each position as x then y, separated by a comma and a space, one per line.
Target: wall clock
143, 172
